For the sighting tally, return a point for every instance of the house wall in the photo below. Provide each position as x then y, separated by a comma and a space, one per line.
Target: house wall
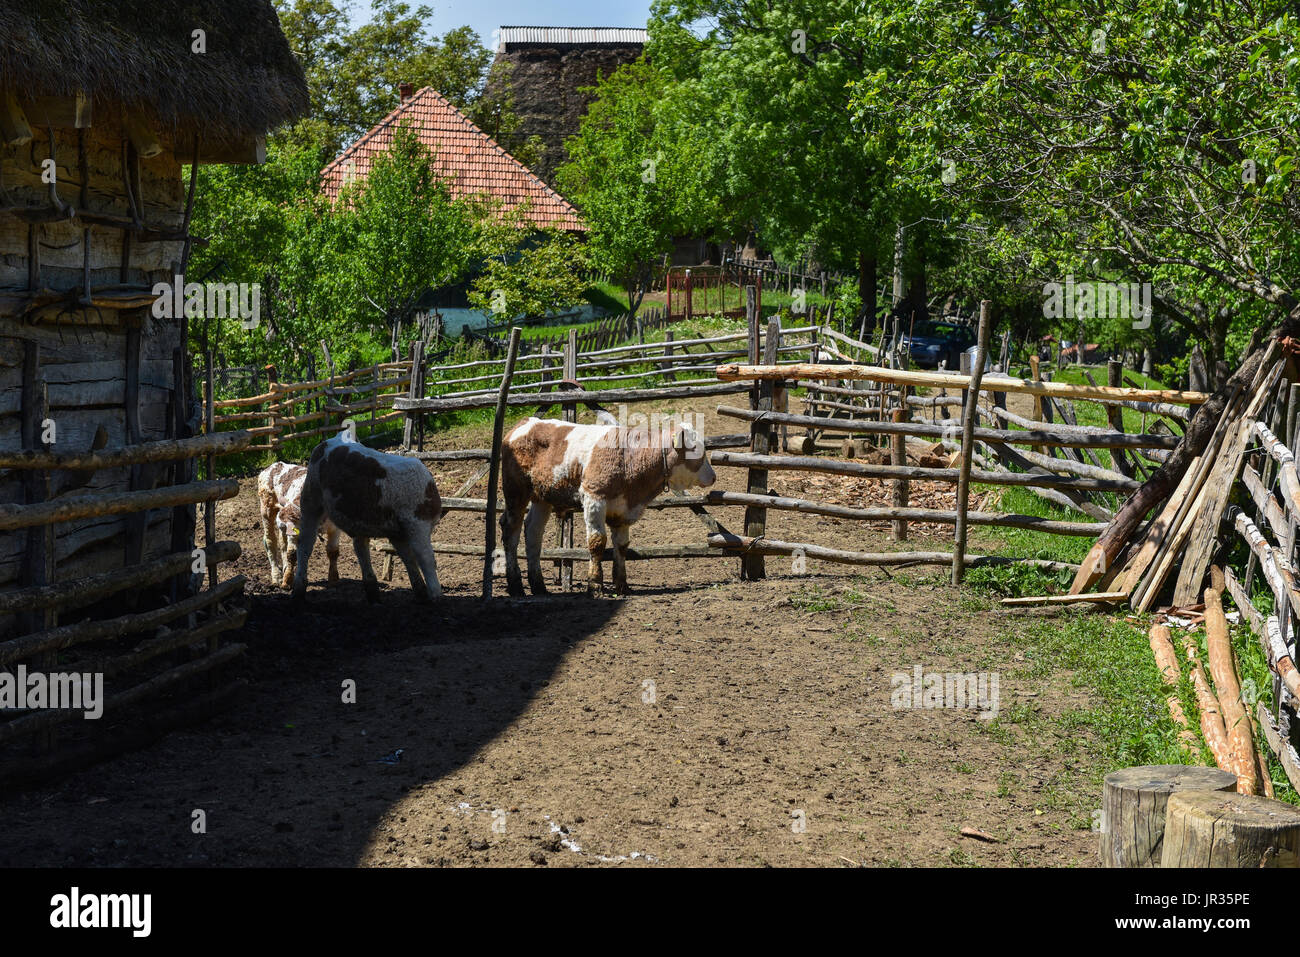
83, 352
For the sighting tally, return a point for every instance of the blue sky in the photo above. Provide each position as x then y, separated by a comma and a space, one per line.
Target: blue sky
486, 15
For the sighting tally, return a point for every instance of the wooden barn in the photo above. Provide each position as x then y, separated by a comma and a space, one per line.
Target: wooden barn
102, 104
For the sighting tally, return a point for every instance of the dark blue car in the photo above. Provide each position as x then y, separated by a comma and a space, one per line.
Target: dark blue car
937, 340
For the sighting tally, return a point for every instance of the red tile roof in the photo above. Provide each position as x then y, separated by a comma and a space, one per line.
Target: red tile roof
468, 159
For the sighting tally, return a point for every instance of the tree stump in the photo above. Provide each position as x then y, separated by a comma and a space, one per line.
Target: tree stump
1210, 829
1133, 808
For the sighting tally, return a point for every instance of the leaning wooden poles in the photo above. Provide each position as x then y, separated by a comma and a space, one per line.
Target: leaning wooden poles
494, 469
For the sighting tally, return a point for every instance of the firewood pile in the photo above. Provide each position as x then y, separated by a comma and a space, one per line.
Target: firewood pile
1236, 490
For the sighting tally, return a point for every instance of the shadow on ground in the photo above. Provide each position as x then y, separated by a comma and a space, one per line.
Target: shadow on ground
292, 775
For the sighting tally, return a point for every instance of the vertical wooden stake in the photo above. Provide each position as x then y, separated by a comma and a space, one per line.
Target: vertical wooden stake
968, 443
902, 486
752, 565
569, 414
417, 357
1115, 416
494, 468
209, 426
273, 409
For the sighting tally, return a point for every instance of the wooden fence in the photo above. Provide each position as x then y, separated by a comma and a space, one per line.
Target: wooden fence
879, 412
137, 655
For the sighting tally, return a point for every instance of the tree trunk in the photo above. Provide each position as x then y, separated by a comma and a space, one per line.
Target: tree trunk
867, 293
899, 250
1133, 808
1211, 829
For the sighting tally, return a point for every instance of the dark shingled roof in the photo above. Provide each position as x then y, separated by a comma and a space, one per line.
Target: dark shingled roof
138, 52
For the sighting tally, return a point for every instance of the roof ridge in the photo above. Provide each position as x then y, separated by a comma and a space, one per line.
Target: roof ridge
370, 133
440, 109
492, 141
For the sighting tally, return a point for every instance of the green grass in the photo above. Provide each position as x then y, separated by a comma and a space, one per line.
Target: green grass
607, 296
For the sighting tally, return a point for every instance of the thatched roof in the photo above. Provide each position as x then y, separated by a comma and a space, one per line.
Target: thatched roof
138, 52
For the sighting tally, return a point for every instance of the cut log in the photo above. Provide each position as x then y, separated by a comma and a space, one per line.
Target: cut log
1162, 647
1212, 829
1212, 729
1236, 719
1133, 808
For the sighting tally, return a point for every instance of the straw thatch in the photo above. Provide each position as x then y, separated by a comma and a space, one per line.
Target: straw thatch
138, 53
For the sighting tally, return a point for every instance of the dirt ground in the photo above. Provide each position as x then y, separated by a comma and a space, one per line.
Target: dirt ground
701, 721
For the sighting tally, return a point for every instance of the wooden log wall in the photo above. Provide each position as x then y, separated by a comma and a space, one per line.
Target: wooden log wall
98, 484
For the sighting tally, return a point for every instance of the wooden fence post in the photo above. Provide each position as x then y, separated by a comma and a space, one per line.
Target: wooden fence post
273, 409
968, 443
1115, 415
902, 486
210, 466
374, 400
752, 565
494, 469
569, 414
135, 524
38, 561
668, 354
413, 390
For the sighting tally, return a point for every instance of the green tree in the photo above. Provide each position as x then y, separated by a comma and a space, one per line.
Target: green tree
1159, 137
403, 233
769, 86
353, 75
630, 179
529, 277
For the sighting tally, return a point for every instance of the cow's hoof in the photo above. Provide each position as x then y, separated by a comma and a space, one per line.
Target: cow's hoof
517, 591
333, 580
537, 586
621, 590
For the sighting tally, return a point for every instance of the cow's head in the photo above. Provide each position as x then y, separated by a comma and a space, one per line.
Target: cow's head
688, 462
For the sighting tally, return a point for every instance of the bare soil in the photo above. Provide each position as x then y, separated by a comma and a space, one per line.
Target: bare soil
701, 721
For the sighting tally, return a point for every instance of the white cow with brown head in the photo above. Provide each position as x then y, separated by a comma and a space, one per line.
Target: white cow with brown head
608, 472
371, 494
279, 492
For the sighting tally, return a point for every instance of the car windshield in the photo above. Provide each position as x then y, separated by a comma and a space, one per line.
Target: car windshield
938, 330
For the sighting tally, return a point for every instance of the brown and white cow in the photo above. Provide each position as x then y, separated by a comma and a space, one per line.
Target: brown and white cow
608, 472
279, 492
371, 494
